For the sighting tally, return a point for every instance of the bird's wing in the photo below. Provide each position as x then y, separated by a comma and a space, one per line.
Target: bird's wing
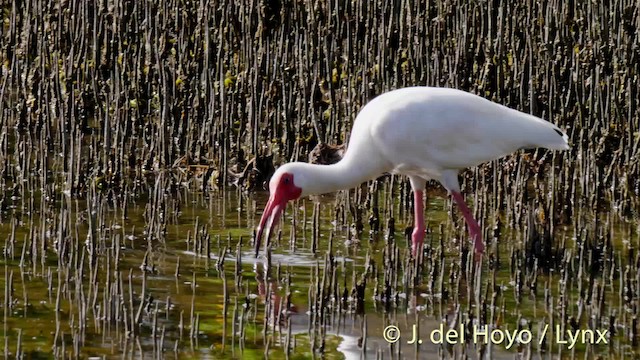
450, 129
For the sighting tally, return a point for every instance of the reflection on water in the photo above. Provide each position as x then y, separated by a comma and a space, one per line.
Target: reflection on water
286, 258
125, 295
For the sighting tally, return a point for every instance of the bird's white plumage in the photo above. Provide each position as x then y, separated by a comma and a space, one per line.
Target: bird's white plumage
424, 133
427, 133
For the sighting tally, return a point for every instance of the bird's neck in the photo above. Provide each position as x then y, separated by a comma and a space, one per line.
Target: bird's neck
345, 174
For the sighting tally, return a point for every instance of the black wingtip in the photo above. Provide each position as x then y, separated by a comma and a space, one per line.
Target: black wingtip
559, 132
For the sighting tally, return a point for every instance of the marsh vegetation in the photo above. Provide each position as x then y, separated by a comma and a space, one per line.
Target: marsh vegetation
136, 137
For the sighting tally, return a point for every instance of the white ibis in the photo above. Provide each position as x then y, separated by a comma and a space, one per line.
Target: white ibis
423, 133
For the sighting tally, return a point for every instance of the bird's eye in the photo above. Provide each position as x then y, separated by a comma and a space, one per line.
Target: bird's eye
286, 181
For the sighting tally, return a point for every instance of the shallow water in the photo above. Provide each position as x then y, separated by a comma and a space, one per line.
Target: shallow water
185, 303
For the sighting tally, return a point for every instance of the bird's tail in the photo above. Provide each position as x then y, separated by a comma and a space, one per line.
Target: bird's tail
541, 133
559, 140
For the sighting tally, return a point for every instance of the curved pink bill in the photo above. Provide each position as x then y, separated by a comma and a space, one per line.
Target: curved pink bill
269, 218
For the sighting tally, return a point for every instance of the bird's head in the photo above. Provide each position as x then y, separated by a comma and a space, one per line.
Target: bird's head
286, 184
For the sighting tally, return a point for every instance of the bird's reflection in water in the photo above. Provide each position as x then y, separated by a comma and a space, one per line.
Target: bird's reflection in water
276, 296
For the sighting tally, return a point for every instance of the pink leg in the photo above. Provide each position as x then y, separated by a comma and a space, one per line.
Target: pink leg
474, 229
417, 236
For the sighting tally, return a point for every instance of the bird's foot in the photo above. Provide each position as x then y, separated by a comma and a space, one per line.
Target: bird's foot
417, 238
478, 245
475, 232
